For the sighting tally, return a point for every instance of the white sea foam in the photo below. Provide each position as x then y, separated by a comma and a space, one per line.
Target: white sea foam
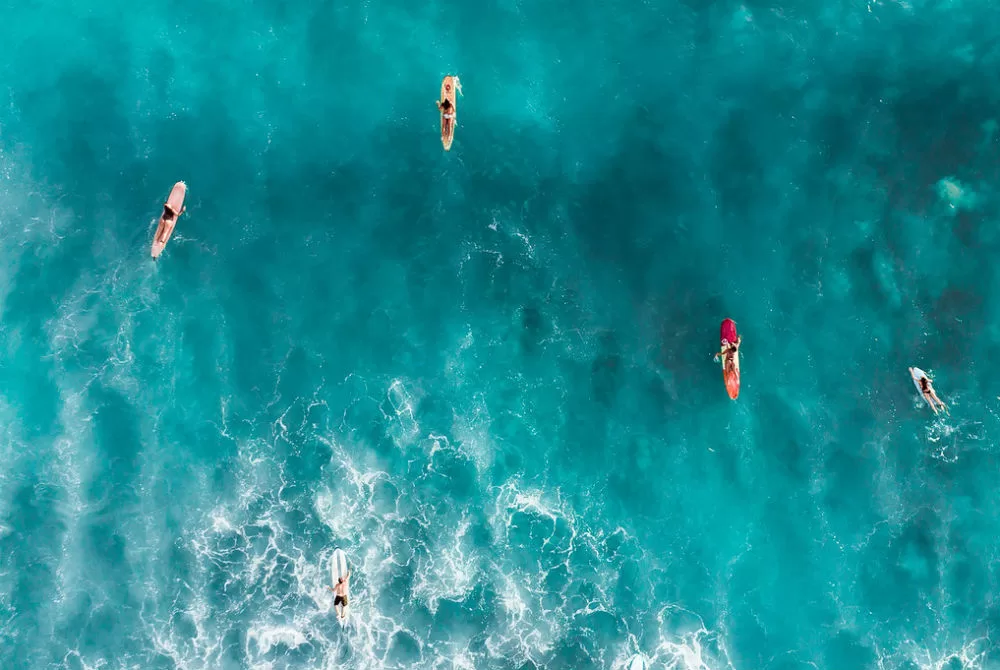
450, 569
958, 195
685, 643
267, 637
405, 427
971, 655
252, 572
533, 625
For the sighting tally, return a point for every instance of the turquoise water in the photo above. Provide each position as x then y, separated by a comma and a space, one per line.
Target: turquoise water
487, 374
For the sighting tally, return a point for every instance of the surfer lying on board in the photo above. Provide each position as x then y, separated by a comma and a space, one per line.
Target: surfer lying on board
447, 113
932, 398
340, 596
167, 222
728, 353
447, 108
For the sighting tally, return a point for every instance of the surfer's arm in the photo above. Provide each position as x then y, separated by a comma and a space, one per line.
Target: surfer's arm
726, 348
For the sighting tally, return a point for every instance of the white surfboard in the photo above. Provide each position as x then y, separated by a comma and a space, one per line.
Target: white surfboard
338, 565
638, 662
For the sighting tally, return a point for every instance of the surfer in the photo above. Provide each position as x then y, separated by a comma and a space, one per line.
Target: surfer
172, 209
730, 341
167, 222
447, 103
340, 596
447, 113
927, 390
447, 108
728, 353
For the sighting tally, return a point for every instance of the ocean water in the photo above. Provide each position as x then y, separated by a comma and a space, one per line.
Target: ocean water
487, 375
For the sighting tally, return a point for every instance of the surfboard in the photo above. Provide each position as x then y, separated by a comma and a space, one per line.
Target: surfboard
338, 569
916, 374
727, 333
166, 228
449, 85
638, 662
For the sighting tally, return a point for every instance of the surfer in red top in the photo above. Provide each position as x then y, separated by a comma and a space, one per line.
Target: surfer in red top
730, 355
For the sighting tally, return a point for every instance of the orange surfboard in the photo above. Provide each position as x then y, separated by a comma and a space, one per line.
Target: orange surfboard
168, 219
730, 373
450, 85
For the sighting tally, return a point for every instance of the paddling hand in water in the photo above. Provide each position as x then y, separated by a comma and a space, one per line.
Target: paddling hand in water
932, 398
340, 596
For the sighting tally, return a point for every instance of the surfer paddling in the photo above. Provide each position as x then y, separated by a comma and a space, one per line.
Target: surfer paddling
730, 356
447, 109
167, 222
172, 209
446, 105
340, 596
926, 388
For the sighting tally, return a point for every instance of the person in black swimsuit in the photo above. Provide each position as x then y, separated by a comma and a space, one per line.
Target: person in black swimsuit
167, 222
932, 398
